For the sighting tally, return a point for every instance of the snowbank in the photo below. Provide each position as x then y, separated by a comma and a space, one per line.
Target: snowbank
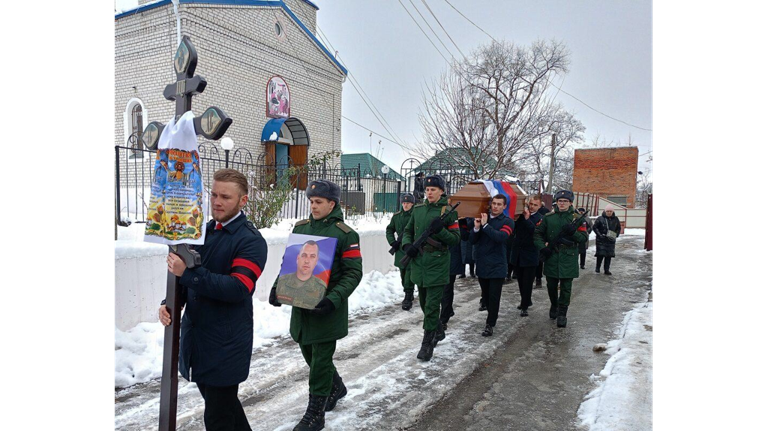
139, 350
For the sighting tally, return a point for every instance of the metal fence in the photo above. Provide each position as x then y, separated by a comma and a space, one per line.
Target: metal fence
361, 192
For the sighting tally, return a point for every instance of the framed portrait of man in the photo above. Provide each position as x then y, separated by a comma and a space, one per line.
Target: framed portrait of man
306, 270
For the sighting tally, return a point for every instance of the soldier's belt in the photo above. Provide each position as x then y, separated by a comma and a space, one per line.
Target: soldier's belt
432, 248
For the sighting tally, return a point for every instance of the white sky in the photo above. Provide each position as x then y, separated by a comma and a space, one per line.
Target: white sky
610, 44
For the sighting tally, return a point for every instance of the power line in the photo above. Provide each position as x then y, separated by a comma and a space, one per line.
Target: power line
422, 30
441, 26
430, 28
454, 8
391, 129
569, 94
375, 133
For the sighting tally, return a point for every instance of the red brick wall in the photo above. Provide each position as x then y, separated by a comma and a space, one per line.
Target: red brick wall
606, 171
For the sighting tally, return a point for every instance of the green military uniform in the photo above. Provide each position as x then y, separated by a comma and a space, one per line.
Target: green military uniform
563, 266
430, 270
302, 294
317, 334
397, 226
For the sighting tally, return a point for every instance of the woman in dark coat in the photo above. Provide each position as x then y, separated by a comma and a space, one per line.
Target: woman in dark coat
525, 255
585, 245
607, 228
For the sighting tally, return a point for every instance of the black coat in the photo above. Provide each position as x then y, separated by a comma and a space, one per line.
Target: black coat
217, 326
467, 249
457, 261
605, 246
585, 245
491, 243
524, 252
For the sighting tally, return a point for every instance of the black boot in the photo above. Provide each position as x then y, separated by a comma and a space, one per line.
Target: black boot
483, 307
314, 418
338, 391
488, 331
427, 345
440, 333
561, 319
538, 283
553, 312
523, 312
408, 300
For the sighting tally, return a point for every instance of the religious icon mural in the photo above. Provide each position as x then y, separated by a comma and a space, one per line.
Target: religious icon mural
278, 98
306, 270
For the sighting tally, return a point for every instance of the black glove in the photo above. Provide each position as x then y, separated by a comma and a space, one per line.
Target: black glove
568, 229
436, 226
410, 250
273, 297
396, 245
545, 253
323, 308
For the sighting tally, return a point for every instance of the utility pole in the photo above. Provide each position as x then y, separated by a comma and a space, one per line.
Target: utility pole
551, 166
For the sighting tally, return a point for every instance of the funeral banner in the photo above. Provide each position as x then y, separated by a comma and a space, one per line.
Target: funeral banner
177, 205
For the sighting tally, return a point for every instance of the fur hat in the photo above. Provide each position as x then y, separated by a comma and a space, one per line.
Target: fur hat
407, 197
435, 181
609, 207
324, 189
563, 194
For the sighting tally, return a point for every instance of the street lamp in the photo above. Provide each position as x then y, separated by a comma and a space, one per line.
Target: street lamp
227, 144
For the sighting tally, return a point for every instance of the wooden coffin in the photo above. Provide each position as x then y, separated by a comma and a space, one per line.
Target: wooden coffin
475, 199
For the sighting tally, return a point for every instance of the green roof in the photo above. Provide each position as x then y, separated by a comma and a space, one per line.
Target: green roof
454, 158
368, 164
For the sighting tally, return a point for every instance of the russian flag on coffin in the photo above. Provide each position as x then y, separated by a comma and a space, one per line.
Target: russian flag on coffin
496, 187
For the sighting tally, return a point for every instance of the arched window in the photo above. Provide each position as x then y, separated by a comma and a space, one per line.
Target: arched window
137, 126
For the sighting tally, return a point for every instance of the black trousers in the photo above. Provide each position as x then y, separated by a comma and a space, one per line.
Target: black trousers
223, 411
582, 257
525, 276
446, 305
540, 271
491, 288
472, 269
607, 262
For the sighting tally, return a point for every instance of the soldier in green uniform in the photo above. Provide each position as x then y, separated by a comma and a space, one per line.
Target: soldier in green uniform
301, 288
317, 330
561, 264
397, 226
430, 269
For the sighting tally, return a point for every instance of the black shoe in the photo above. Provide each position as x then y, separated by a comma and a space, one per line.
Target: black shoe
608, 272
314, 418
408, 300
514, 276
483, 307
553, 312
538, 284
473, 275
597, 270
520, 307
445, 325
338, 391
488, 331
463, 276
508, 280
440, 333
523, 312
427, 345
561, 319
582, 266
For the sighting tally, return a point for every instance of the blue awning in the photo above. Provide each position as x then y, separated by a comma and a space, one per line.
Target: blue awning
272, 126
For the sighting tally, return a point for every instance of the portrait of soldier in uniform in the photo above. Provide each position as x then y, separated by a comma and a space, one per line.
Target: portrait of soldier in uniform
305, 286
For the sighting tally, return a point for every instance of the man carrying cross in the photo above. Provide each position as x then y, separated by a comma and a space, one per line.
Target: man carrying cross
217, 328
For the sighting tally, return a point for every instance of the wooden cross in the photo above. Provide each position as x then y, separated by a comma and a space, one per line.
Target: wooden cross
212, 124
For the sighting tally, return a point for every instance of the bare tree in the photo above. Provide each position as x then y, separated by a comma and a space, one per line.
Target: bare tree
490, 108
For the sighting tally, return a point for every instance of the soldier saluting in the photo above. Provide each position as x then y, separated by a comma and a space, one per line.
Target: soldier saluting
397, 226
317, 330
430, 266
557, 236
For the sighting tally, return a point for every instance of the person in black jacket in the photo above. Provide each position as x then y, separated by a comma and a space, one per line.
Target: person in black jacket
607, 228
525, 256
418, 187
535, 205
457, 268
217, 326
490, 235
585, 245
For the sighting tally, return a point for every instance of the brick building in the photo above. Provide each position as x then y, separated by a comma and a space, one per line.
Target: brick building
608, 172
242, 45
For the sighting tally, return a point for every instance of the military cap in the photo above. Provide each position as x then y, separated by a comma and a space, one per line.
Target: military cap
564, 194
435, 181
407, 197
324, 189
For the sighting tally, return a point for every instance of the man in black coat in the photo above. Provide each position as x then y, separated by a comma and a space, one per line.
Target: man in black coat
490, 234
535, 206
525, 256
585, 245
217, 325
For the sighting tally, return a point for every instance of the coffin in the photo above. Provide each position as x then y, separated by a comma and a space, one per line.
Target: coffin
475, 199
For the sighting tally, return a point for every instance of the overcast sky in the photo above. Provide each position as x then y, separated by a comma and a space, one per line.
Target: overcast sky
610, 70
390, 57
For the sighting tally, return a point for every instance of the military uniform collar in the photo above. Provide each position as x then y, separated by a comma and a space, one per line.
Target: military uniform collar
335, 215
440, 202
570, 210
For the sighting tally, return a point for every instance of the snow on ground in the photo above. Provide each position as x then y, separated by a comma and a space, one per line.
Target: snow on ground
627, 232
139, 350
623, 399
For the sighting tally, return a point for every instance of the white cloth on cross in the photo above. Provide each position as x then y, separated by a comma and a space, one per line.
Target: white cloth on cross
180, 134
